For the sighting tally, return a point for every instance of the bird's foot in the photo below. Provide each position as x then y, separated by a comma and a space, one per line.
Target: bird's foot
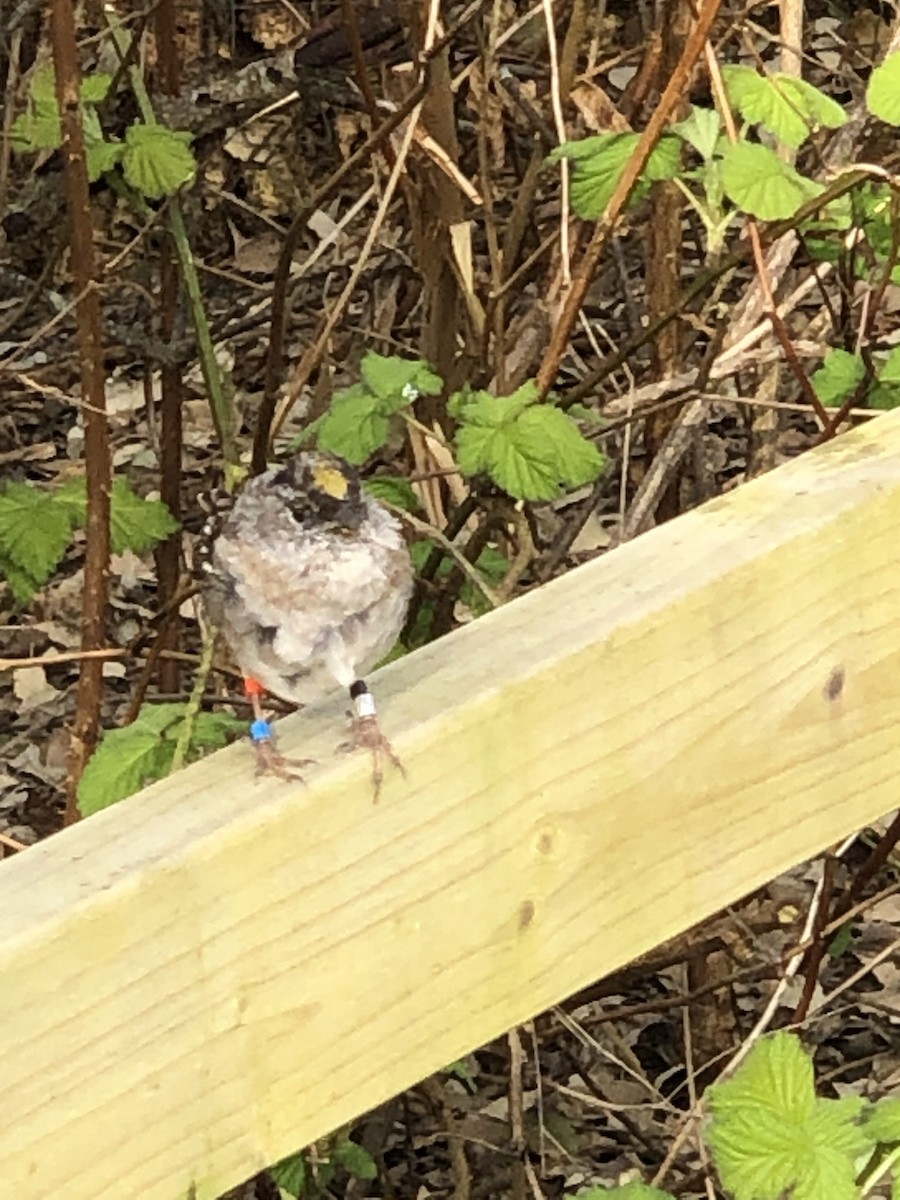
269, 759
365, 734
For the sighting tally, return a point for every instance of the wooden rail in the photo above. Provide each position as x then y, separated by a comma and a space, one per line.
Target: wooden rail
212, 974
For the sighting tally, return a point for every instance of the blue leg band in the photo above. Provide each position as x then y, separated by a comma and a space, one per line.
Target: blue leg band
261, 731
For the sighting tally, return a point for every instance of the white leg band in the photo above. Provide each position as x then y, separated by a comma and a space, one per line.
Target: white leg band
365, 704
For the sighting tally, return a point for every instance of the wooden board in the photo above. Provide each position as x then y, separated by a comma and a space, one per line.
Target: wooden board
205, 978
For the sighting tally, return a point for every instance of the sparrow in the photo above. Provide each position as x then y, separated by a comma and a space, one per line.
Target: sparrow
309, 579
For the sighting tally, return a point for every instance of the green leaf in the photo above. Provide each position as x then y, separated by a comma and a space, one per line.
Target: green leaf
837, 377
884, 396
819, 108
700, 129
358, 422
137, 524
398, 380
355, 425
102, 157
460, 1070
599, 161
529, 449
481, 408
576, 460
394, 490
772, 1135
213, 730
883, 92
161, 718
786, 106
492, 566
290, 1174
890, 370
34, 531
353, 1158
125, 760
72, 496
420, 551
43, 86
95, 87
21, 584
130, 757
40, 128
101, 154
842, 940
756, 180
157, 161
882, 1121
36, 130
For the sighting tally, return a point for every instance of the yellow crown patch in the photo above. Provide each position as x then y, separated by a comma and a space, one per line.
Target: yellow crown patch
330, 480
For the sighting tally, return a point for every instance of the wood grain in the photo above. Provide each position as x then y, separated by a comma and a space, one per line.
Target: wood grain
206, 977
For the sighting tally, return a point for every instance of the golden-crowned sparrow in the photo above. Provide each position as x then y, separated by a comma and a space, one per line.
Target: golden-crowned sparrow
309, 579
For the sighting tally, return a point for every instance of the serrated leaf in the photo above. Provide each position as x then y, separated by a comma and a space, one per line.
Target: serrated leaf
137, 524
34, 530
72, 496
36, 130
43, 85
21, 584
883, 92
354, 426
599, 161
884, 396
837, 377
394, 490
102, 157
576, 460
493, 412
95, 87
819, 109
290, 1174
882, 1121
482, 408
355, 1159
398, 380
158, 161
890, 370
212, 731
700, 129
786, 106
531, 451
101, 154
40, 128
124, 761
161, 719
772, 1135
756, 180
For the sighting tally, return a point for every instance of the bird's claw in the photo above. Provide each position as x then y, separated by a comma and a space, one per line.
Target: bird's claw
270, 761
365, 734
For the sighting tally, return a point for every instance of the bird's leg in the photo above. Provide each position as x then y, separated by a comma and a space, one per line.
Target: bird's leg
365, 733
268, 758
